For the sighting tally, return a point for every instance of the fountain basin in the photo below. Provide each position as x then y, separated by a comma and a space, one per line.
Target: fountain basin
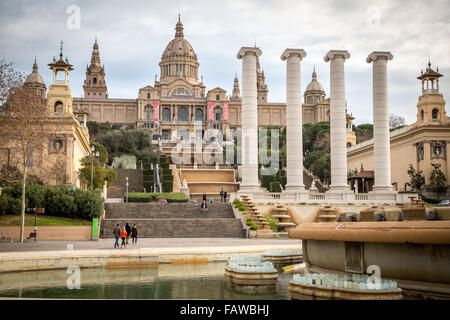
251, 282
299, 291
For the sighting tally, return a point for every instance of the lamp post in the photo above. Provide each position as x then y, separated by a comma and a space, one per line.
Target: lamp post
126, 187
91, 155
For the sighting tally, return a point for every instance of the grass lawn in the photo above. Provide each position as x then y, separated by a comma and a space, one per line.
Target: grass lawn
11, 221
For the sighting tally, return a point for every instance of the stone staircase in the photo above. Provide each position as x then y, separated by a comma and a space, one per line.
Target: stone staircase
173, 220
135, 181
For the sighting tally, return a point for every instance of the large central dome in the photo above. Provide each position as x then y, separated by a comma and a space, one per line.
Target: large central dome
179, 59
179, 47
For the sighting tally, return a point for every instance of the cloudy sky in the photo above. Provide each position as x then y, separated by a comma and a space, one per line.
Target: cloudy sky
133, 34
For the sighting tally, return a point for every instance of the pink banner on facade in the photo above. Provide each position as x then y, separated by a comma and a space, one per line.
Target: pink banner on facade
210, 111
156, 110
225, 111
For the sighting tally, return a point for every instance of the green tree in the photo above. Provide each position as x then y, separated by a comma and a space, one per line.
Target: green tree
417, 178
363, 132
438, 181
100, 173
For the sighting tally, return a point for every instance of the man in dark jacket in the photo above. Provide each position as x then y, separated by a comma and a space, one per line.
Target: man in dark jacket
116, 232
134, 234
128, 230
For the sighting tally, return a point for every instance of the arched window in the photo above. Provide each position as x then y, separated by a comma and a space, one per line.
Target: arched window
309, 100
199, 115
58, 109
182, 114
217, 97
435, 114
166, 115
148, 95
422, 115
95, 81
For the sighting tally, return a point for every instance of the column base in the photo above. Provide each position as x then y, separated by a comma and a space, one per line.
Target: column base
339, 189
295, 188
249, 189
383, 189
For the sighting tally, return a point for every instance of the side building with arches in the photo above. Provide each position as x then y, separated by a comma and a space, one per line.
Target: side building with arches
421, 144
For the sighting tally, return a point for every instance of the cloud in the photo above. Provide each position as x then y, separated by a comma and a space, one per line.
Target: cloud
133, 35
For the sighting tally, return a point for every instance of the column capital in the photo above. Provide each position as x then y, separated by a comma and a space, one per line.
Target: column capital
381, 55
249, 50
336, 53
293, 52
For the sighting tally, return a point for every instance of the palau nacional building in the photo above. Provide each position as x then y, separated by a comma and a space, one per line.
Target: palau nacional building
179, 99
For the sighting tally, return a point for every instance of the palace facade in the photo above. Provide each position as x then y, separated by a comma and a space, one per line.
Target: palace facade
176, 103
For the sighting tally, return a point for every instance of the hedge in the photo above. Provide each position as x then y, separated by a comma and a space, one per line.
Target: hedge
60, 201
147, 172
167, 186
149, 178
275, 186
153, 197
149, 186
147, 166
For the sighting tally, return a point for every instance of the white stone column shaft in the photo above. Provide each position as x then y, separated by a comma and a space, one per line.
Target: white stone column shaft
249, 127
338, 124
294, 123
381, 136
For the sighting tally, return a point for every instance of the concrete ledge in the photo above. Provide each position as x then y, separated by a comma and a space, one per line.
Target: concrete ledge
40, 260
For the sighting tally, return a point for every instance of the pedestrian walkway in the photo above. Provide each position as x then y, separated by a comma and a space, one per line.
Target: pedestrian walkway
104, 244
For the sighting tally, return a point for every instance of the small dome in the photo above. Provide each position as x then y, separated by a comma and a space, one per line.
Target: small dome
179, 47
35, 77
314, 85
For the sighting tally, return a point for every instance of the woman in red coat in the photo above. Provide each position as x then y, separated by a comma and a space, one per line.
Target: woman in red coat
123, 235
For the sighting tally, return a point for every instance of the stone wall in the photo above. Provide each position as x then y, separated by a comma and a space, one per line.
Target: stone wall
51, 232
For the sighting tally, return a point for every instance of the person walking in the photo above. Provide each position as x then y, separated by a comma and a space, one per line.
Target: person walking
123, 235
224, 196
204, 206
134, 234
116, 232
128, 229
204, 196
222, 193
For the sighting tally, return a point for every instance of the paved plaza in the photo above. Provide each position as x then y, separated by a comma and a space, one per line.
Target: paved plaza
104, 244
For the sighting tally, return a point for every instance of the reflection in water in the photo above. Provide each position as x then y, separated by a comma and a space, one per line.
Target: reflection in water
167, 281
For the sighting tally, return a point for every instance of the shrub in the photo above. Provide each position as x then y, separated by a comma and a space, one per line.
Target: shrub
88, 204
236, 201
153, 197
35, 194
167, 186
273, 222
275, 186
10, 205
58, 202
149, 178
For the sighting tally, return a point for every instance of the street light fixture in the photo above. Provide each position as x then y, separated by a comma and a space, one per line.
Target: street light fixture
126, 185
91, 156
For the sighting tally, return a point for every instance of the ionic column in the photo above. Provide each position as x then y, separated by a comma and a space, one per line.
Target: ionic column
294, 123
338, 125
249, 119
381, 137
